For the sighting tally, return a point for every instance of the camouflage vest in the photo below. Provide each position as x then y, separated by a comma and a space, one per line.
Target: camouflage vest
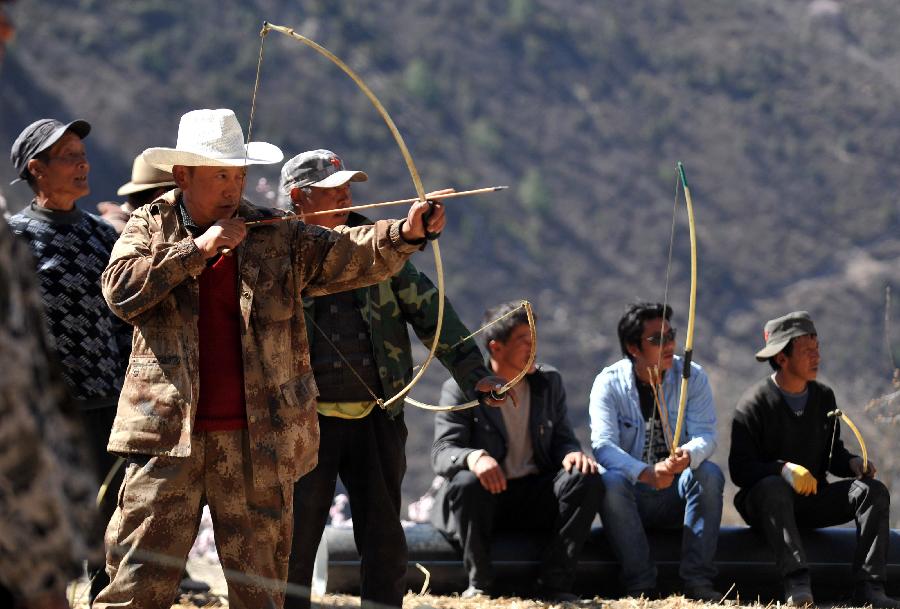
409, 297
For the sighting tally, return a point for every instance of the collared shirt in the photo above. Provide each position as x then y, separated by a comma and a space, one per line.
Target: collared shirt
193, 229
187, 220
519, 461
346, 410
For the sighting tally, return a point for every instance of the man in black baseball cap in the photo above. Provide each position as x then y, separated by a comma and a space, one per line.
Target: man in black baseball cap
38, 137
785, 439
71, 249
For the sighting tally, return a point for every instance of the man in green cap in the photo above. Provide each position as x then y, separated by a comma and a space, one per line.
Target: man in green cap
785, 439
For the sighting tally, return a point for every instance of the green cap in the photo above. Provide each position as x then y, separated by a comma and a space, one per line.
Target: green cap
779, 332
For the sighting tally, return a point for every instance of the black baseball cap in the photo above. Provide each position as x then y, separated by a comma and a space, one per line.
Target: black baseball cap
779, 332
37, 137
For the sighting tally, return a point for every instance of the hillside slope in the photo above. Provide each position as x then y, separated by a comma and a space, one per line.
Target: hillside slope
785, 114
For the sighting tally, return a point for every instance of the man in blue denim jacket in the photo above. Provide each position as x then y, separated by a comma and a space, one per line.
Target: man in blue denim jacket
632, 422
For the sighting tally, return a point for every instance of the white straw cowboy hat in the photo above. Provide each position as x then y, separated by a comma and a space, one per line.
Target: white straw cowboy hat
212, 138
145, 177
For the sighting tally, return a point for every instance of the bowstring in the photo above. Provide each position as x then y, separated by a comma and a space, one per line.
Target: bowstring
662, 327
481, 329
888, 341
833, 438
668, 268
262, 44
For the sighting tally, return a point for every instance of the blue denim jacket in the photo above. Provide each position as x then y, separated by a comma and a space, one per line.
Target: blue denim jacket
617, 424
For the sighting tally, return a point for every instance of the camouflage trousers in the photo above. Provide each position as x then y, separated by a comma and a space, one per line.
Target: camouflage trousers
158, 514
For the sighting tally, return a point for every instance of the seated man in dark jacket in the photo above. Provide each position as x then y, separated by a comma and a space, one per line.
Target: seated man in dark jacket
785, 438
518, 466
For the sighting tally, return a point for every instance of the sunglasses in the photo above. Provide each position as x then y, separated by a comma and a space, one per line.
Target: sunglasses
667, 337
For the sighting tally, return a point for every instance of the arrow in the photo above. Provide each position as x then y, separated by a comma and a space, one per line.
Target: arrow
452, 195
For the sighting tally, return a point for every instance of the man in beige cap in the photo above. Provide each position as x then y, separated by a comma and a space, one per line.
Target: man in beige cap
147, 184
219, 402
784, 442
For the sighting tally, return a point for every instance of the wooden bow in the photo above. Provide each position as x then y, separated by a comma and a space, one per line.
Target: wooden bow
410, 165
689, 338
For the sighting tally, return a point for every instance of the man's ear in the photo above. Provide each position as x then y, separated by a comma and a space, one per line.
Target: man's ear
35, 167
298, 196
180, 174
780, 359
493, 346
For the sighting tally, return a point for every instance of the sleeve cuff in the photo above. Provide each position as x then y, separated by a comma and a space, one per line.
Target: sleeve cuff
401, 244
473, 456
637, 467
191, 257
694, 452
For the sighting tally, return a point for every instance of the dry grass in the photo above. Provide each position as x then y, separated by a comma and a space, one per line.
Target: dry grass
78, 593
415, 601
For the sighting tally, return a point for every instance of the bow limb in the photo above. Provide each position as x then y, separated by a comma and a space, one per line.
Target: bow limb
529, 313
862, 443
413, 172
859, 438
689, 339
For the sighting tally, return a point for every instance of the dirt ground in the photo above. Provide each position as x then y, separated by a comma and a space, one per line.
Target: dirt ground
211, 573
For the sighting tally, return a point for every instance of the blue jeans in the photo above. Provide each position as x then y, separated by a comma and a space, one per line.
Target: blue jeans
693, 501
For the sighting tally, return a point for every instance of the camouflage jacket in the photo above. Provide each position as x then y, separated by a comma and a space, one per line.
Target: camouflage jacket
47, 488
152, 282
387, 307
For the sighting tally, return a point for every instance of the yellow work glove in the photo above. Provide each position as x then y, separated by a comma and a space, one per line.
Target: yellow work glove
802, 481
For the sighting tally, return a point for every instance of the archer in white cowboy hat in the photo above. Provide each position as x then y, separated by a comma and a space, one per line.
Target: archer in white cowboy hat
218, 405
212, 138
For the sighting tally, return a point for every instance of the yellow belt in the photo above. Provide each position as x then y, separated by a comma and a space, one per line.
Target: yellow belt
345, 410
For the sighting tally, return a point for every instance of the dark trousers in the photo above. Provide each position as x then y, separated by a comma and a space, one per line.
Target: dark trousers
369, 456
98, 424
6, 597
560, 503
772, 506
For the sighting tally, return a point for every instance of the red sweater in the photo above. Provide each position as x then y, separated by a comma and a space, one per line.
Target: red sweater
221, 406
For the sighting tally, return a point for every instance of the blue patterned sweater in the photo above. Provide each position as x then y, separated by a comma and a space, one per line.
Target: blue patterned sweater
71, 250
